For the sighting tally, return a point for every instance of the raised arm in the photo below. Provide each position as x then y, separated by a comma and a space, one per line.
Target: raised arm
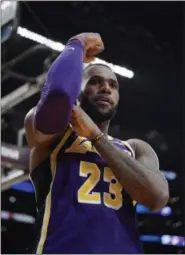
61, 89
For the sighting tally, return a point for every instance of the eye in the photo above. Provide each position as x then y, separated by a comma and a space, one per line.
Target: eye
95, 80
113, 84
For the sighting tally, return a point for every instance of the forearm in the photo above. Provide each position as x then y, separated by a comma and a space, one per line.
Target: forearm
60, 90
142, 184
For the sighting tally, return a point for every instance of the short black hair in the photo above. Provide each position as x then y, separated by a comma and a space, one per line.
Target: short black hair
96, 64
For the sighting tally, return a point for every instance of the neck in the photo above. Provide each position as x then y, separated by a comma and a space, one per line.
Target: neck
104, 126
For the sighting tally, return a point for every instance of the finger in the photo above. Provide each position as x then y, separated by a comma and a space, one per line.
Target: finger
88, 59
75, 111
92, 51
73, 116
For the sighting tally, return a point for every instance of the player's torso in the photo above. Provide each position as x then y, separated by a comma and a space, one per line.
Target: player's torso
86, 210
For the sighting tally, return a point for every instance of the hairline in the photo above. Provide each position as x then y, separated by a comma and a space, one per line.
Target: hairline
94, 65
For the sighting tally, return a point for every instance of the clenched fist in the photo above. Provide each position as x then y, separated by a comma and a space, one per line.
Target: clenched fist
82, 124
93, 45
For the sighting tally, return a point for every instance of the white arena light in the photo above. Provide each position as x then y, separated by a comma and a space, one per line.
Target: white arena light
24, 32
5, 5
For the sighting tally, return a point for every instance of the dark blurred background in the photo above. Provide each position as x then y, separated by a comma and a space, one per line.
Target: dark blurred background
144, 37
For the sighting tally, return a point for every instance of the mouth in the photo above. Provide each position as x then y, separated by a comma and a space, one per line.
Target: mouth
104, 100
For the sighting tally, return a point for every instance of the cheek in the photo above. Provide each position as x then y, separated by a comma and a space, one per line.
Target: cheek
90, 90
116, 98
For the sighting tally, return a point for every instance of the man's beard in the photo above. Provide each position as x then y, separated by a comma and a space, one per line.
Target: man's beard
94, 112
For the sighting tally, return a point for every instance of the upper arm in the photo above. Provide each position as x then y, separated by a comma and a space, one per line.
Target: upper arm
33, 136
144, 153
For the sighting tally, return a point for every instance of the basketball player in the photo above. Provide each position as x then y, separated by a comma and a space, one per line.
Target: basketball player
86, 181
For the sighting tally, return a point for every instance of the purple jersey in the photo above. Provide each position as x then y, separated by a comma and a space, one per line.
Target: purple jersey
85, 209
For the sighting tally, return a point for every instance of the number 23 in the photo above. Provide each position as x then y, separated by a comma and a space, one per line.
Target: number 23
85, 194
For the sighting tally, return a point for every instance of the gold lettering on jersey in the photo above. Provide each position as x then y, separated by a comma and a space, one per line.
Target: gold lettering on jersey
81, 145
86, 193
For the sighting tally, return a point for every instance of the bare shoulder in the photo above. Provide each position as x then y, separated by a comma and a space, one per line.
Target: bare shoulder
139, 145
29, 117
144, 152
29, 127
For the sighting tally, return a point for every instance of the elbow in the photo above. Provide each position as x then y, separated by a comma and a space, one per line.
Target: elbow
159, 200
159, 203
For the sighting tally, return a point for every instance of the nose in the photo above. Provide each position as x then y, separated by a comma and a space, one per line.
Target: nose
105, 88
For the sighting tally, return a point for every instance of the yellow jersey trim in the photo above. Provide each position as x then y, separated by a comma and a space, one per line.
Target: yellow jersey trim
53, 162
129, 147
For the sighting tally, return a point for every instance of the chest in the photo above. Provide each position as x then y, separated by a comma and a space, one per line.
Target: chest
83, 161
82, 146
91, 179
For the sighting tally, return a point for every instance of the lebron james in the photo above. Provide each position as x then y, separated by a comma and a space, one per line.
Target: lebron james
87, 182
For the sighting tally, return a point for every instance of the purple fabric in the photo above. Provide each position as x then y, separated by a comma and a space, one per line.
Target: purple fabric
60, 90
83, 227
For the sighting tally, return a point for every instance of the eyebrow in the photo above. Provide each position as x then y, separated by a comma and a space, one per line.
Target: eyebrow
101, 76
109, 79
114, 80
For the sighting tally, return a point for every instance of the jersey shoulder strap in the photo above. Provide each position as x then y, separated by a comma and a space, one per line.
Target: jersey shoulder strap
129, 147
61, 140
125, 143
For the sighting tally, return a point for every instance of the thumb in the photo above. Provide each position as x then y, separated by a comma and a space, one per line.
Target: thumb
88, 59
95, 50
75, 111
